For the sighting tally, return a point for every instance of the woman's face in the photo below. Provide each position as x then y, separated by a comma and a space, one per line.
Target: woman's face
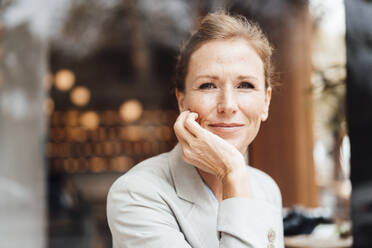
225, 85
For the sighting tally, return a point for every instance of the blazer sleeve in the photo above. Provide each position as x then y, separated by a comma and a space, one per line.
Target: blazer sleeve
138, 217
265, 228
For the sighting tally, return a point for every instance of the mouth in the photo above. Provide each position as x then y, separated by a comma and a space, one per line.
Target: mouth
224, 127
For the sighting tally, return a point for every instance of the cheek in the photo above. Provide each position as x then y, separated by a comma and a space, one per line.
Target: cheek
252, 107
200, 103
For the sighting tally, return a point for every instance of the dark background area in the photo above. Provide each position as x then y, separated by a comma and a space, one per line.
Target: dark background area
359, 113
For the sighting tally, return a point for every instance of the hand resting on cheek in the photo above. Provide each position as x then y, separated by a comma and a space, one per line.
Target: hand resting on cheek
204, 149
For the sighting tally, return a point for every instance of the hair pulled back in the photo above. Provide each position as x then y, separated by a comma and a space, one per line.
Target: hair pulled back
223, 26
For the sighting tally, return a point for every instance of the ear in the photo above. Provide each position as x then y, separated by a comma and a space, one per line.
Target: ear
265, 113
181, 100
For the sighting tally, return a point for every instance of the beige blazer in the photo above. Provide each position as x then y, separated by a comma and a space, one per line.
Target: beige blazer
163, 202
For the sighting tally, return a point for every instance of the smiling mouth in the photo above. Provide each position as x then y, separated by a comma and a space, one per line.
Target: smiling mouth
225, 125
225, 128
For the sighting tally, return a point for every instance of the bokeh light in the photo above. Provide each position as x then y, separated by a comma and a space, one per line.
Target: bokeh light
64, 80
131, 110
89, 120
80, 96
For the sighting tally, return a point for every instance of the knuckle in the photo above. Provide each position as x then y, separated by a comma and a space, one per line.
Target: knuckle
187, 153
177, 126
185, 158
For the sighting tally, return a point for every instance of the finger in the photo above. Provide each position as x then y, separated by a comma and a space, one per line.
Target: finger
193, 116
179, 128
189, 135
192, 125
182, 140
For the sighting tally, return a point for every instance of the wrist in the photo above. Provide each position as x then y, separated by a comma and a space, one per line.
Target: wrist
234, 168
233, 176
236, 184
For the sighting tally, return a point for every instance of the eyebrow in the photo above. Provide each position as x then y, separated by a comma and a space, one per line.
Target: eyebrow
206, 76
247, 77
241, 77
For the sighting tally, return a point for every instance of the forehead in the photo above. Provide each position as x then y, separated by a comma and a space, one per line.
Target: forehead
227, 55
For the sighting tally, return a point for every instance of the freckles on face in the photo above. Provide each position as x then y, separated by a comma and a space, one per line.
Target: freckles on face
225, 85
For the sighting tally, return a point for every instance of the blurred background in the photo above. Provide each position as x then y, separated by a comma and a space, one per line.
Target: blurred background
86, 93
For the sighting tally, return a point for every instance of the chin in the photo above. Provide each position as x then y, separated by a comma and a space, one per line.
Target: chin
242, 147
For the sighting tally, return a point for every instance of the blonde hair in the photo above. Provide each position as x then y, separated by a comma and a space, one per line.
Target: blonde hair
223, 26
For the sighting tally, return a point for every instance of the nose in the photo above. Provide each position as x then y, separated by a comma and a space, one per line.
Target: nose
227, 102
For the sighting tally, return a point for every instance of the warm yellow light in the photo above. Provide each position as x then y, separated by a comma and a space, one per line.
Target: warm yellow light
131, 110
65, 79
89, 120
80, 96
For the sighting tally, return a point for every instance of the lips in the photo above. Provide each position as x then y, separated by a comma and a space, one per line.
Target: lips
227, 125
224, 128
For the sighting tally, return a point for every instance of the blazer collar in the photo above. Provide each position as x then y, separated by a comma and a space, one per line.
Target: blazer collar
190, 187
187, 181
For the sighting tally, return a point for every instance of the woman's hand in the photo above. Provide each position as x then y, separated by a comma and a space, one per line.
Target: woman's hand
205, 150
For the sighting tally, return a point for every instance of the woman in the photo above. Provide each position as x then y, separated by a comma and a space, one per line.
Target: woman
202, 193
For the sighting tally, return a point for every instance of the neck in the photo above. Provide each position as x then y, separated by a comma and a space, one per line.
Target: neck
213, 183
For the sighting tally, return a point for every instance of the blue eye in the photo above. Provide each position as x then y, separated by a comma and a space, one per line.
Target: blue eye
207, 86
246, 85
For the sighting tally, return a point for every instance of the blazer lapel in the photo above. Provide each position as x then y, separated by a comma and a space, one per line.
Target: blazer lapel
190, 187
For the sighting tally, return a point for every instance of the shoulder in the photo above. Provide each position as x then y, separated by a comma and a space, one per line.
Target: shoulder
264, 186
150, 175
147, 185
137, 202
